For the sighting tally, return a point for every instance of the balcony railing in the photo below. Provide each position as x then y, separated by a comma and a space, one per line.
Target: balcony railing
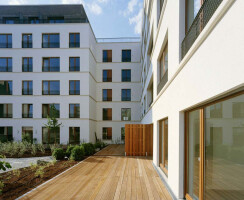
51, 69
71, 115
27, 68
46, 21
27, 92
5, 45
126, 98
107, 99
27, 115
50, 45
26, 44
126, 79
204, 15
163, 81
6, 115
74, 69
74, 45
107, 79
5, 69
74, 92
50, 92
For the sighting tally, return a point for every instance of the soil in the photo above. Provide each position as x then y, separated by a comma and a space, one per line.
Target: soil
16, 184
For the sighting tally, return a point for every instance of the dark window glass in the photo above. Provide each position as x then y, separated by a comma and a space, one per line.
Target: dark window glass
27, 88
34, 20
11, 20
50, 136
27, 134
122, 133
5, 87
5, 64
107, 113
125, 114
27, 41
74, 64
74, 110
74, 40
107, 94
107, 75
27, 65
74, 135
54, 20
74, 87
51, 65
6, 110
107, 55
27, 110
50, 87
126, 55
50, 41
126, 75
126, 95
6, 133
107, 133
5, 40
51, 110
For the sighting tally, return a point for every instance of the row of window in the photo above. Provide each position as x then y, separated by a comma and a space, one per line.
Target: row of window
50, 137
53, 88
53, 110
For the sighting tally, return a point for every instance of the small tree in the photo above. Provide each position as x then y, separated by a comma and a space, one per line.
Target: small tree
52, 122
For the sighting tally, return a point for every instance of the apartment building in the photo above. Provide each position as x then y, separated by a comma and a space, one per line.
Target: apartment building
50, 57
193, 94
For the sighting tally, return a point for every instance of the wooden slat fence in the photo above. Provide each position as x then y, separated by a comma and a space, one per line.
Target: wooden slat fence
139, 139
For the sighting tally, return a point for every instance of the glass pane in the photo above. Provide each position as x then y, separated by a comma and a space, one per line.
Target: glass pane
166, 143
224, 151
45, 87
193, 154
54, 64
54, 87
3, 64
45, 136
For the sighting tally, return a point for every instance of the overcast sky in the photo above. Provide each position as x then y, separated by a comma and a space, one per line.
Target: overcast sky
108, 18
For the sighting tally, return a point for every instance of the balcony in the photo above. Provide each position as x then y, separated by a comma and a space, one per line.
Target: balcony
162, 82
50, 92
74, 92
50, 45
204, 15
5, 45
27, 115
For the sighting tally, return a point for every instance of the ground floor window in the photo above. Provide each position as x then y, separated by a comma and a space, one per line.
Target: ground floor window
163, 145
215, 151
27, 134
74, 135
6, 133
123, 133
107, 133
50, 137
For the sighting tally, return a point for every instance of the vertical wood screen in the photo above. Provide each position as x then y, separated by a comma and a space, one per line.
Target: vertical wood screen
139, 139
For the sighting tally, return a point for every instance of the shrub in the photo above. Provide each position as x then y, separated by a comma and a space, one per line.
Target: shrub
33, 149
1, 187
77, 153
98, 145
58, 154
68, 151
89, 149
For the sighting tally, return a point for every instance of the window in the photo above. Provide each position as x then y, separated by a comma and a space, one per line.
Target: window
107, 55
50, 87
107, 113
192, 8
164, 62
5, 40
54, 20
107, 94
6, 133
34, 20
6, 110
122, 133
5, 87
74, 40
74, 135
74, 110
27, 41
216, 110
50, 136
238, 109
6, 64
126, 55
50, 41
74, 87
51, 110
51, 64
107, 133
215, 147
107, 75
74, 64
11, 20
126, 95
27, 110
27, 88
27, 134
125, 114
27, 64
126, 75
163, 145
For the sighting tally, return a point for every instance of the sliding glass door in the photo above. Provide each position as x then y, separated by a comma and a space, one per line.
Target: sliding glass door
215, 150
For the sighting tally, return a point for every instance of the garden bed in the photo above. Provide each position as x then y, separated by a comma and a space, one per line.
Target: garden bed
30, 155
19, 182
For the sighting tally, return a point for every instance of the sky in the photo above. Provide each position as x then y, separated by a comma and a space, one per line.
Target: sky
108, 18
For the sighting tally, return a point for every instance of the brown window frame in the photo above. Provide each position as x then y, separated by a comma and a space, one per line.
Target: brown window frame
75, 66
75, 113
8, 115
28, 64
74, 132
49, 40
75, 35
7, 67
49, 132
7, 89
108, 118
29, 43
49, 64
108, 128
28, 111
109, 59
48, 109
162, 147
49, 81
7, 42
109, 98
162, 57
109, 79
76, 92
29, 91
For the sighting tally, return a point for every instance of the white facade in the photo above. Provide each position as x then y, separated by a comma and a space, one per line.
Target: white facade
213, 67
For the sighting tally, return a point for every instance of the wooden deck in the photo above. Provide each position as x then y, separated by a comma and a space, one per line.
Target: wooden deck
112, 150
105, 177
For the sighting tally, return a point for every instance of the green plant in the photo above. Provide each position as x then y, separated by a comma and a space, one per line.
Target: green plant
58, 154
33, 149
1, 187
41, 148
89, 149
33, 166
98, 145
40, 172
26, 138
16, 172
68, 151
53, 146
77, 153
4, 165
